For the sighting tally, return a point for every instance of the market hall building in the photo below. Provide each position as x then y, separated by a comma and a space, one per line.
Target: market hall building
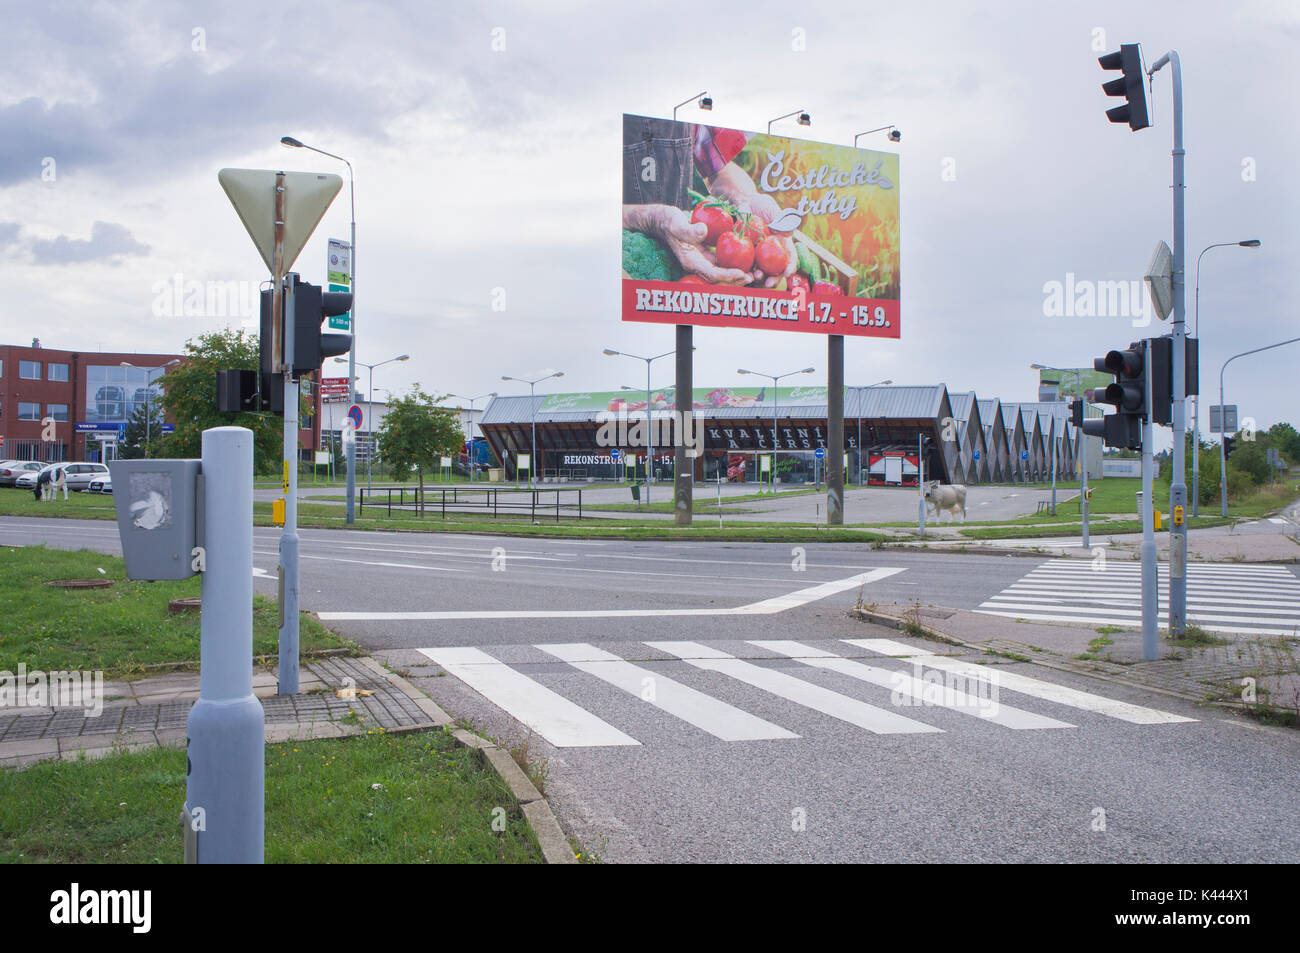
891, 435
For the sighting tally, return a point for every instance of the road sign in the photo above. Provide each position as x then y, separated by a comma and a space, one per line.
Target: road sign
354, 414
819, 453
975, 455
1024, 454
307, 196
615, 453
339, 274
168, 428
1217, 425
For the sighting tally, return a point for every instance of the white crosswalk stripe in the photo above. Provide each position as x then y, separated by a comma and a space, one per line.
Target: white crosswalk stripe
967, 689
1014, 681
1258, 599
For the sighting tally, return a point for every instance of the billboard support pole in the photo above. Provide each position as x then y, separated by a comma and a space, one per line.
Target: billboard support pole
684, 466
835, 428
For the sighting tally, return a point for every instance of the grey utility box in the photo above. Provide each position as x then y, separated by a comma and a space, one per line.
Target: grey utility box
158, 516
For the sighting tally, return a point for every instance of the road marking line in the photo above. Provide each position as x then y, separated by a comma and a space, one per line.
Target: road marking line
823, 700
1274, 519
1133, 623
1049, 691
681, 701
764, 607
1057, 597
552, 716
1196, 616
984, 708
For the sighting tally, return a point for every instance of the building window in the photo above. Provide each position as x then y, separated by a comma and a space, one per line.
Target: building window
57, 372
58, 411
29, 370
28, 411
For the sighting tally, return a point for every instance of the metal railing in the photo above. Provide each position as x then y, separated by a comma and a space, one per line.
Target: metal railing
471, 499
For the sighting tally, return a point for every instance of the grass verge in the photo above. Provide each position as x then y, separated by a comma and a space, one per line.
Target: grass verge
118, 630
381, 798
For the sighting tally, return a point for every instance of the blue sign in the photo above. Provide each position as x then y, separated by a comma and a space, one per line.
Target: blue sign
615, 453
975, 455
1024, 454
83, 427
169, 428
354, 414
819, 452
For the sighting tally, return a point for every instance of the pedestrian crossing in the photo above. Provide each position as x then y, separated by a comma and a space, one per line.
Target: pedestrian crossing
1254, 599
897, 697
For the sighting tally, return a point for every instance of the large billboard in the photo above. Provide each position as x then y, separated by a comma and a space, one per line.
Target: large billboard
703, 398
724, 228
1065, 383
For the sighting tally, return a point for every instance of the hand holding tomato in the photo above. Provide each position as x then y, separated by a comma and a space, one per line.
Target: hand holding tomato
685, 239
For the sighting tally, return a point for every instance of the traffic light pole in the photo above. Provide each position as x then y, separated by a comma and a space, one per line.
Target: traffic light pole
288, 595
1150, 568
1081, 444
1178, 486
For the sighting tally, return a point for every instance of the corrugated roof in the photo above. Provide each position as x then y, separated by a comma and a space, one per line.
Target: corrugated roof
961, 403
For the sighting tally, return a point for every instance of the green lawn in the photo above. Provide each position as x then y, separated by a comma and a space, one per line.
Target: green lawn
435, 803
117, 630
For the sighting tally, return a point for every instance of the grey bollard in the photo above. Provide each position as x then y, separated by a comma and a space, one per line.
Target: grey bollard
225, 769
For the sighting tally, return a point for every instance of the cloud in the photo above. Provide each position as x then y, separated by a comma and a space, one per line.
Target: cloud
9, 233
107, 240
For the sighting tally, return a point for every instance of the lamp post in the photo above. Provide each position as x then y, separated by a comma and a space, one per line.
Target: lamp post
471, 426
803, 120
1196, 400
649, 426
703, 96
148, 394
775, 379
868, 387
894, 134
1223, 453
352, 370
370, 406
532, 413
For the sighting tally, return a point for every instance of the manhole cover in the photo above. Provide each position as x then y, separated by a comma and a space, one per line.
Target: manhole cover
177, 606
80, 583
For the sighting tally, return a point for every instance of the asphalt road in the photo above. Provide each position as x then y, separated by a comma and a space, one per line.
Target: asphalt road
704, 746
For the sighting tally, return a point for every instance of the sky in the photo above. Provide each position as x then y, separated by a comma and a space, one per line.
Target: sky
485, 142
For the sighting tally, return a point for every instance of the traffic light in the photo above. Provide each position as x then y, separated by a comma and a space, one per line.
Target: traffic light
1162, 376
311, 306
1228, 444
1076, 412
1128, 394
1128, 59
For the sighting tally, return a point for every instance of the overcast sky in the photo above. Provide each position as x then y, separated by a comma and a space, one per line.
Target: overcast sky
480, 168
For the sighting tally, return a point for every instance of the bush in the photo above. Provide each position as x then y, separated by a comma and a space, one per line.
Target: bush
1240, 483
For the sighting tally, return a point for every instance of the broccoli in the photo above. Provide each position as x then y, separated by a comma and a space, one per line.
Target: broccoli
645, 259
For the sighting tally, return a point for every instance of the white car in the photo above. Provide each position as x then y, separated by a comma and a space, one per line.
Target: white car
79, 475
101, 485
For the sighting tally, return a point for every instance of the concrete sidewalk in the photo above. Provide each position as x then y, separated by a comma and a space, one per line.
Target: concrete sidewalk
153, 711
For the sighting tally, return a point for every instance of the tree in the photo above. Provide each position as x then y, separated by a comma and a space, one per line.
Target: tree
143, 431
416, 432
1287, 440
190, 399
1249, 457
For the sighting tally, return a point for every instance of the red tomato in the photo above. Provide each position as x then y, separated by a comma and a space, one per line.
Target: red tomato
826, 288
735, 251
771, 256
753, 228
715, 217
692, 280
799, 282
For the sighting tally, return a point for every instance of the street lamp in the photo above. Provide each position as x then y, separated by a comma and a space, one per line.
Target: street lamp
148, 393
803, 120
352, 370
775, 378
471, 426
532, 412
705, 102
1196, 400
370, 408
649, 426
894, 134
868, 387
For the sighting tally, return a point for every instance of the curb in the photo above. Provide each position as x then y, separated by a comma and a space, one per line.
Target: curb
530, 802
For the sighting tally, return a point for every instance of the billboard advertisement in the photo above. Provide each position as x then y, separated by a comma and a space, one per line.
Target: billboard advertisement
1065, 383
703, 398
725, 228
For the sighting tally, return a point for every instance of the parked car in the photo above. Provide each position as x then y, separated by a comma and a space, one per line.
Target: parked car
27, 479
11, 470
80, 475
101, 485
